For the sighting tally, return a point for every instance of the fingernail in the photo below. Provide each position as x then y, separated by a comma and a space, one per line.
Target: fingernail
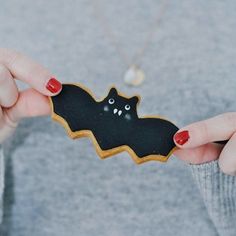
182, 137
53, 85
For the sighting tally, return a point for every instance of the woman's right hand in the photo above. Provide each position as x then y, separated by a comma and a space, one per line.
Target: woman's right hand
15, 105
196, 142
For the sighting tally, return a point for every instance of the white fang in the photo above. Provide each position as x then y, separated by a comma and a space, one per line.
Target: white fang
119, 112
115, 111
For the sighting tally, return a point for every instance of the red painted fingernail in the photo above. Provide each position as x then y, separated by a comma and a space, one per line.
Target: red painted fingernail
53, 85
182, 137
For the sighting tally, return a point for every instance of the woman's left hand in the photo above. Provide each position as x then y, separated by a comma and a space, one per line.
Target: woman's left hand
196, 142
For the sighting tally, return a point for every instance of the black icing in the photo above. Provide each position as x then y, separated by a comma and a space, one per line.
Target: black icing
114, 121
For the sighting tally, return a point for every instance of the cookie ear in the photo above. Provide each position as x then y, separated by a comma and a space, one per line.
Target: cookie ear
113, 92
134, 100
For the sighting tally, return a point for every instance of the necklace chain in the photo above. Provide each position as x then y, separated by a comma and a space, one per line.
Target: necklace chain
113, 39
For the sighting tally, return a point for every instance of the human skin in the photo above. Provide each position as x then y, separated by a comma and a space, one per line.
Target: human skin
15, 104
195, 141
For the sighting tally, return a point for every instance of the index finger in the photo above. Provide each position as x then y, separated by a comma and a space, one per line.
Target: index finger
30, 72
218, 128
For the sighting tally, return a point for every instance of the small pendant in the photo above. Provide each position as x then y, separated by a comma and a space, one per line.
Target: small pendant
134, 76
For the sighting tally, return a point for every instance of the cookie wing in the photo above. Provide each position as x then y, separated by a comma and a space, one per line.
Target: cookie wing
72, 107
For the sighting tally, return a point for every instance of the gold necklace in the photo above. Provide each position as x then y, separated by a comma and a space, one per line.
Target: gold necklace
134, 75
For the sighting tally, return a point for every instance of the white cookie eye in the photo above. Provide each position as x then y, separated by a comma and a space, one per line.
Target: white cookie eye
127, 107
111, 101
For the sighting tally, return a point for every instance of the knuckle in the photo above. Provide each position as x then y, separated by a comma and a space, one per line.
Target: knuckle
38, 70
204, 130
3, 54
13, 58
10, 56
227, 169
227, 162
3, 72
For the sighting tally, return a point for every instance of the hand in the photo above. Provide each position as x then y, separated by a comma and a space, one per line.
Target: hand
196, 142
15, 105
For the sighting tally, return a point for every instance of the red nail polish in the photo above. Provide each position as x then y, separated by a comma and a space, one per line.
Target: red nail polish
182, 137
53, 85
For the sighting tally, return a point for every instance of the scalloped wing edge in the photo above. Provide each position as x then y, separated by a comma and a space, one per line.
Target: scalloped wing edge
110, 152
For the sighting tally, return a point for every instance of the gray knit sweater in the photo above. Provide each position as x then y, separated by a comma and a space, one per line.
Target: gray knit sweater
56, 186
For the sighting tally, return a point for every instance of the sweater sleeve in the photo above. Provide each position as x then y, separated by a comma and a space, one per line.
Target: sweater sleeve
218, 192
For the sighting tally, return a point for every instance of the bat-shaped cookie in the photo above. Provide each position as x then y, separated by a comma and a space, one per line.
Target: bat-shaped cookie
113, 124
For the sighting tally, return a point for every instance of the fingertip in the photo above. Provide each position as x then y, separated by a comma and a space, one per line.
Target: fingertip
191, 136
181, 138
53, 86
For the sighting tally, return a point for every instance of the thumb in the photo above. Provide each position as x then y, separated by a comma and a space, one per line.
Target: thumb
199, 155
30, 103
